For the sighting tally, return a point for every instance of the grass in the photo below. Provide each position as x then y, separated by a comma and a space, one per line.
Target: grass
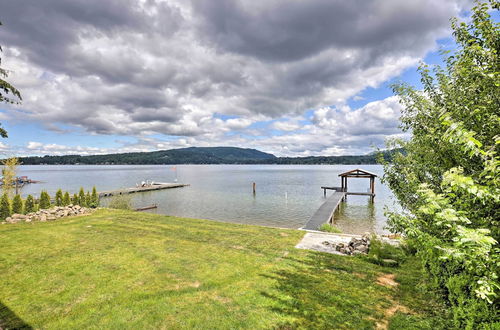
329, 228
122, 269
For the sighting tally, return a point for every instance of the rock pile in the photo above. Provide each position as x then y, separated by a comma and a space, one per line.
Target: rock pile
49, 214
354, 247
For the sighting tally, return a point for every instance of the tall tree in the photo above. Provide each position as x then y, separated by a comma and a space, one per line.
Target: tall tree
8, 93
448, 181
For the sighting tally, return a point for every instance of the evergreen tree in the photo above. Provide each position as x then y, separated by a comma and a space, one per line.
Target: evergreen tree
94, 201
75, 199
44, 200
59, 198
29, 205
81, 198
17, 205
66, 199
88, 199
5, 210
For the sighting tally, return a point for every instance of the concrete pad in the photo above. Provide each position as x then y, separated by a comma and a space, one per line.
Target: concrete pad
314, 241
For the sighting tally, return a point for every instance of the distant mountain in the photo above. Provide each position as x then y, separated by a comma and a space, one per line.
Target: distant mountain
195, 155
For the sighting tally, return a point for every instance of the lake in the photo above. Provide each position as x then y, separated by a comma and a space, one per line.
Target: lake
286, 195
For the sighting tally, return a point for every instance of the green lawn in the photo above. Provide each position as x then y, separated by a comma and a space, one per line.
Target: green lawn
121, 269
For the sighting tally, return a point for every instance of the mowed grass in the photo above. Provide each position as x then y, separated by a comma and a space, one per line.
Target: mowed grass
121, 269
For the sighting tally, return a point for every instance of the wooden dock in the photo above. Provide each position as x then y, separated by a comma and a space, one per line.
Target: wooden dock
142, 189
325, 213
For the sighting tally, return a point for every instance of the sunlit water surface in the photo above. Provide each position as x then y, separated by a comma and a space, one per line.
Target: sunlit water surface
286, 196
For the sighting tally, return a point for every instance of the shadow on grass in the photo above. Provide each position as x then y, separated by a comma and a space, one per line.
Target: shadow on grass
9, 319
326, 292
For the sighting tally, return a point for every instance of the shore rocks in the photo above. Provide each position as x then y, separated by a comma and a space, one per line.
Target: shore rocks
49, 214
354, 247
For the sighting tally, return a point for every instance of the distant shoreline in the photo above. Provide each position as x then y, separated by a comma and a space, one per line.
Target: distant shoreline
204, 156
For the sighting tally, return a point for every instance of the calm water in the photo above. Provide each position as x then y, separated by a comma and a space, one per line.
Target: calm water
286, 195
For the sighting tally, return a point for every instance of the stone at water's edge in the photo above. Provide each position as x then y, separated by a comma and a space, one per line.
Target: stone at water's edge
353, 247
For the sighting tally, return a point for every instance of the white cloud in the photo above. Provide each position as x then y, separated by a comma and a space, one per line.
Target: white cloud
173, 67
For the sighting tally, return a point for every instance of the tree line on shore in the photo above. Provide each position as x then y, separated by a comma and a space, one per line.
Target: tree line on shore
194, 156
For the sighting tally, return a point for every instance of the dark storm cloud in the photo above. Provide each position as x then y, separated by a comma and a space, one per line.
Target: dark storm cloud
283, 30
49, 30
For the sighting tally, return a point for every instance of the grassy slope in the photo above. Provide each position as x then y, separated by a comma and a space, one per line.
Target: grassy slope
119, 269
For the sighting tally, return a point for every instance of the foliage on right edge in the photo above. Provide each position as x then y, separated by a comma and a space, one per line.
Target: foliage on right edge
448, 181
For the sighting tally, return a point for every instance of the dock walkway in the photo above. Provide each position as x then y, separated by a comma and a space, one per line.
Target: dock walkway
141, 189
325, 213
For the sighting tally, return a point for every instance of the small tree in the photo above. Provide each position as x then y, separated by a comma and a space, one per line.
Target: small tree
66, 199
82, 201
44, 200
9, 172
75, 200
5, 210
94, 200
29, 205
59, 198
88, 199
17, 205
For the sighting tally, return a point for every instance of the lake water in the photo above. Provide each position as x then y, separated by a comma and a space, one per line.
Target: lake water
287, 195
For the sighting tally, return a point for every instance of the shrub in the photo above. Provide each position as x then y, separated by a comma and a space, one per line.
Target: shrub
329, 228
122, 202
87, 199
44, 200
94, 199
17, 205
82, 201
66, 199
5, 210
75, 200
29, 205
382, 253
59, 198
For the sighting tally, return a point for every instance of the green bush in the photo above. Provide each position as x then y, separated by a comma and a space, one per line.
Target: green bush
66, 199
385, 254
5, 210
122, 202
29, 205
94, 199
75, 200
17, 205
44, 200
59, 198
82, 200
447, 180
329, 228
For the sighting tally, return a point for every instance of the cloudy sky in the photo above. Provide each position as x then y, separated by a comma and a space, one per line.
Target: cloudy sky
291, 77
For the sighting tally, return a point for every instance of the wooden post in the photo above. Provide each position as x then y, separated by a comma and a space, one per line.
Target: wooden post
253, 188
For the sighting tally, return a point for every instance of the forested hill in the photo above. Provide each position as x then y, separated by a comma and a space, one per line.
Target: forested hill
195, 155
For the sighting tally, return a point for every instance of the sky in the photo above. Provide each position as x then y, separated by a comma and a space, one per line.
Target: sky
289, 77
